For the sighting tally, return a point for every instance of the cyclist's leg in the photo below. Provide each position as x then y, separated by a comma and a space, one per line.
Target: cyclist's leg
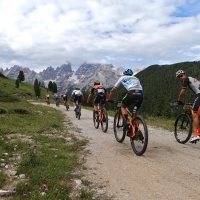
196, 109
79, 103
74, 102
66, 102
96, 101
125, 100
103, 100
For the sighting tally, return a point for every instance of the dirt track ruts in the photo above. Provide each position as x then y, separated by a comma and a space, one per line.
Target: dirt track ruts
167, 170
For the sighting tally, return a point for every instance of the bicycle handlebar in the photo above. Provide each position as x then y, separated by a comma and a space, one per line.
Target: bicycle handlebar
113, 101
183, 104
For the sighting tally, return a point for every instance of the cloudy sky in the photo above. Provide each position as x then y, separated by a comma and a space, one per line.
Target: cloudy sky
126, 33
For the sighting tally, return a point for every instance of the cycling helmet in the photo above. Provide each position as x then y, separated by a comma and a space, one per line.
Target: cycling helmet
96, 83
128, 72
179, 72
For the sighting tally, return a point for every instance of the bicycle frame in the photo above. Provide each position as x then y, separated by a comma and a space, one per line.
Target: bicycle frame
131, 114
136, 130
100, 111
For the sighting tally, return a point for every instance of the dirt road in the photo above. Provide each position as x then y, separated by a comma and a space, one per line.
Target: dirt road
167, 170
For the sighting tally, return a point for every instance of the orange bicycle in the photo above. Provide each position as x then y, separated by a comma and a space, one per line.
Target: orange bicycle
101, 119
137, 130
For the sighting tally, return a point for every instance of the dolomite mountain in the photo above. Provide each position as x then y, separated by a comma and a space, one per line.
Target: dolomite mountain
67, 79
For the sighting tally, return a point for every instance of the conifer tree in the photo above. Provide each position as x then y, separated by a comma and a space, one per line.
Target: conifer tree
54, 87
21, 76
17, 83
36, 88
50, 86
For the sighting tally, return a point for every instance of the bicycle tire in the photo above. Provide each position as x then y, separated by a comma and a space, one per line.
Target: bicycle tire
57, 102
104, 123
183, 128
95, 121
140, 141
78, 112
118, 127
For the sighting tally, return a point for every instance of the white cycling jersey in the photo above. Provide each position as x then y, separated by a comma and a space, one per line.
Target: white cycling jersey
77, 93
129, 82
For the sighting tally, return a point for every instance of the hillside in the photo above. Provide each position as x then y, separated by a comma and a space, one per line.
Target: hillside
25, 91
162, 87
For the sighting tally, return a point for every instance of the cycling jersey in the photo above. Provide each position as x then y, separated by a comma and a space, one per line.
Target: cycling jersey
129, 82
47, 96
56, 96
77, 93
100, 92
192, 83
134, 90
65, 96
98, 89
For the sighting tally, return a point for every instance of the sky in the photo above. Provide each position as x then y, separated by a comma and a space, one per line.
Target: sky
132, 34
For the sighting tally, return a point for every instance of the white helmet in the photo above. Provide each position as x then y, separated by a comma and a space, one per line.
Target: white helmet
179, 72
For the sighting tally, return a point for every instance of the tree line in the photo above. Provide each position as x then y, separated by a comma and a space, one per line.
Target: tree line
161, 88
37, 84
160, 85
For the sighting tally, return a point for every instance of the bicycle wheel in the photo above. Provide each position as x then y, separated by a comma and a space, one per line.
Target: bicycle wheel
78, 112
183, 128
104, 121
140, 141
118, 127
95, 120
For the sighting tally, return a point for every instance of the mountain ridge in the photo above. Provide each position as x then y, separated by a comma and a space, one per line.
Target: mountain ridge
66, 78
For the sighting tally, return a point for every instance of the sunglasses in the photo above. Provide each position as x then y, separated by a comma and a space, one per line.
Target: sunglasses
180, 76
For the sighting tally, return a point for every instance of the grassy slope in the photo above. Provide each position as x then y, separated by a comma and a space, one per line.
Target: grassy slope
34, 142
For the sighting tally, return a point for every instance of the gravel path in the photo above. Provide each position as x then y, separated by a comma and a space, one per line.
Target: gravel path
167, 170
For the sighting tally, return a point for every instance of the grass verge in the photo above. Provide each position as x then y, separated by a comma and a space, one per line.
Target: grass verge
37, 145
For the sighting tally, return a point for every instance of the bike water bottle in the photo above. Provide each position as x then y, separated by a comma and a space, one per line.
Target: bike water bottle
134, 109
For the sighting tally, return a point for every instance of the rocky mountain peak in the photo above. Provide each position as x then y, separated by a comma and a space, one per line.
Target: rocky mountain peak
67, 79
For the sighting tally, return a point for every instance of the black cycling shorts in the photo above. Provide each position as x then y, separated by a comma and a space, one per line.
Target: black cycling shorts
101, 97
78, 98
133, 96
65, 98
196, 103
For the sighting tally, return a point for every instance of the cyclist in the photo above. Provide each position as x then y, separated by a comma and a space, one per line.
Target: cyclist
47, 97
101, 95
65, 99
56, 97
77, 95
134, 92
194, 85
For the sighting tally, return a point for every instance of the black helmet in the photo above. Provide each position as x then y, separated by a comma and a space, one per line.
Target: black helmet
77, 88
96, 83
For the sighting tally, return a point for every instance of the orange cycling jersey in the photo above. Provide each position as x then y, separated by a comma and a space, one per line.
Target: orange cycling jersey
98, 89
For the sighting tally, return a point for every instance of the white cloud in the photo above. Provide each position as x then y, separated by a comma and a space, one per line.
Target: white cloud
42, 33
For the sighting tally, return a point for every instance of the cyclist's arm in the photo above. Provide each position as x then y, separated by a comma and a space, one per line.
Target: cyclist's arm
89, 97
181, 95
184, 86
112, 92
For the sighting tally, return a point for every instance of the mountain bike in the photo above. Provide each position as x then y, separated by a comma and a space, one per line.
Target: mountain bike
66, 105
183, 124
102, 118
57, 102
137, 130
77, 110
48, 101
